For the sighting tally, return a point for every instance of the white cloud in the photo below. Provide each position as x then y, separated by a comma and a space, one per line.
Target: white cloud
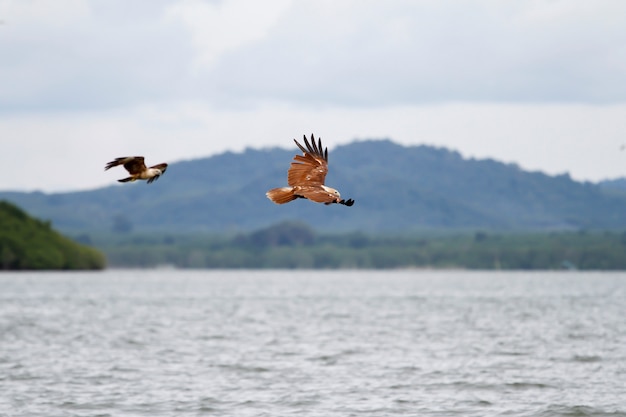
217, 27
107, 54
535, 82
58, 13
81, 54
374, 53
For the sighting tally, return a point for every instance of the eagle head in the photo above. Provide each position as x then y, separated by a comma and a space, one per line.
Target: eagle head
161, 167
334, 193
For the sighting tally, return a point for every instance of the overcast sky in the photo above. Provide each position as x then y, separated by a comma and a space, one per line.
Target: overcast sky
538, 83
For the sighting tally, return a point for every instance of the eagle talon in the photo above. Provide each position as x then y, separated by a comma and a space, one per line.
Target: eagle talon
349, 202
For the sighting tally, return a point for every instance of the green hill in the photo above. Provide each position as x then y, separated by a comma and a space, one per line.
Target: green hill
28, 243
396, 189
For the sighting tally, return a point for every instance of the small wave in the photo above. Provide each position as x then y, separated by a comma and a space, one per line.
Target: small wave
484, 386
327, 359
509, 353
243, 368
332, 358
213, 337
578, 411
122, 369
528, 385
128, 342
74, 405
586, 358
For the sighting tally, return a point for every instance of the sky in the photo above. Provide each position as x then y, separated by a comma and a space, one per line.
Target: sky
541, 84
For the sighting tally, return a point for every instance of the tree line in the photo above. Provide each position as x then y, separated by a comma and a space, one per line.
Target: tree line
296, 245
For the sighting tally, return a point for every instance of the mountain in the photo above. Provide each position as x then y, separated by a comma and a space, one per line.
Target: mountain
27, 243
615, 186
396, 188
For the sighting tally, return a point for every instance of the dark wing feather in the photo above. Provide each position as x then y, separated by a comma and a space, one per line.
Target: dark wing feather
135, 165
114, 163
311, 168
314, 148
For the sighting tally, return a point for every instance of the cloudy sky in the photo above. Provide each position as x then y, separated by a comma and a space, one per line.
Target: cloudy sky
538, 83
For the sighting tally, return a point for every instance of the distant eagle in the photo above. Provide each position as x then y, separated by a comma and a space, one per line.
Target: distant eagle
306, 178
137, 168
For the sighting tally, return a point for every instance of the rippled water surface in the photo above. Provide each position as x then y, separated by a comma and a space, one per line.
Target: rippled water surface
279, 343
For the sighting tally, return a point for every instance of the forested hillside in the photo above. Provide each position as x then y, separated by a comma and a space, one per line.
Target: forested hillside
28, 243
396, 189
296, 245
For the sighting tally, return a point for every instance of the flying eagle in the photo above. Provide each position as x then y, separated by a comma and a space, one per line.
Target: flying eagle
137, 168
306, 178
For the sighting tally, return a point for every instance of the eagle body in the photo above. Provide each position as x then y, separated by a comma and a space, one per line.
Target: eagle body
137, 168
306, 177
324, 194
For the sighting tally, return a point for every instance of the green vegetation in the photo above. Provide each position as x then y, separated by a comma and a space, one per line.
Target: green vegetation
296, 245
28, 243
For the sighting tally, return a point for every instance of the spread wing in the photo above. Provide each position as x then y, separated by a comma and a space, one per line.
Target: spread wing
133, 164
311, 168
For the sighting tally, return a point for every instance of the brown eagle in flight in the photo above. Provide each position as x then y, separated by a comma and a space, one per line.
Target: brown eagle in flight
137, 168
306, 178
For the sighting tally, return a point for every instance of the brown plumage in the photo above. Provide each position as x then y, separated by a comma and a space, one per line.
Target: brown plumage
306, 177
137, 168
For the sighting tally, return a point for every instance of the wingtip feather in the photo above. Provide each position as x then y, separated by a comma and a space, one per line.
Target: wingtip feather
300, 146
308, 145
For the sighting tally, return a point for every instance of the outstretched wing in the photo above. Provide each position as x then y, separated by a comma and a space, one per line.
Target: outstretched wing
133, 164
311, 168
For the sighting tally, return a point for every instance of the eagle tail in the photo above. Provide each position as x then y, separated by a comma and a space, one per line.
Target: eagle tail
281, 195
126, 179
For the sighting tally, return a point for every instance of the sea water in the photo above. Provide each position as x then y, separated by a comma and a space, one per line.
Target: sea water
312, 343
